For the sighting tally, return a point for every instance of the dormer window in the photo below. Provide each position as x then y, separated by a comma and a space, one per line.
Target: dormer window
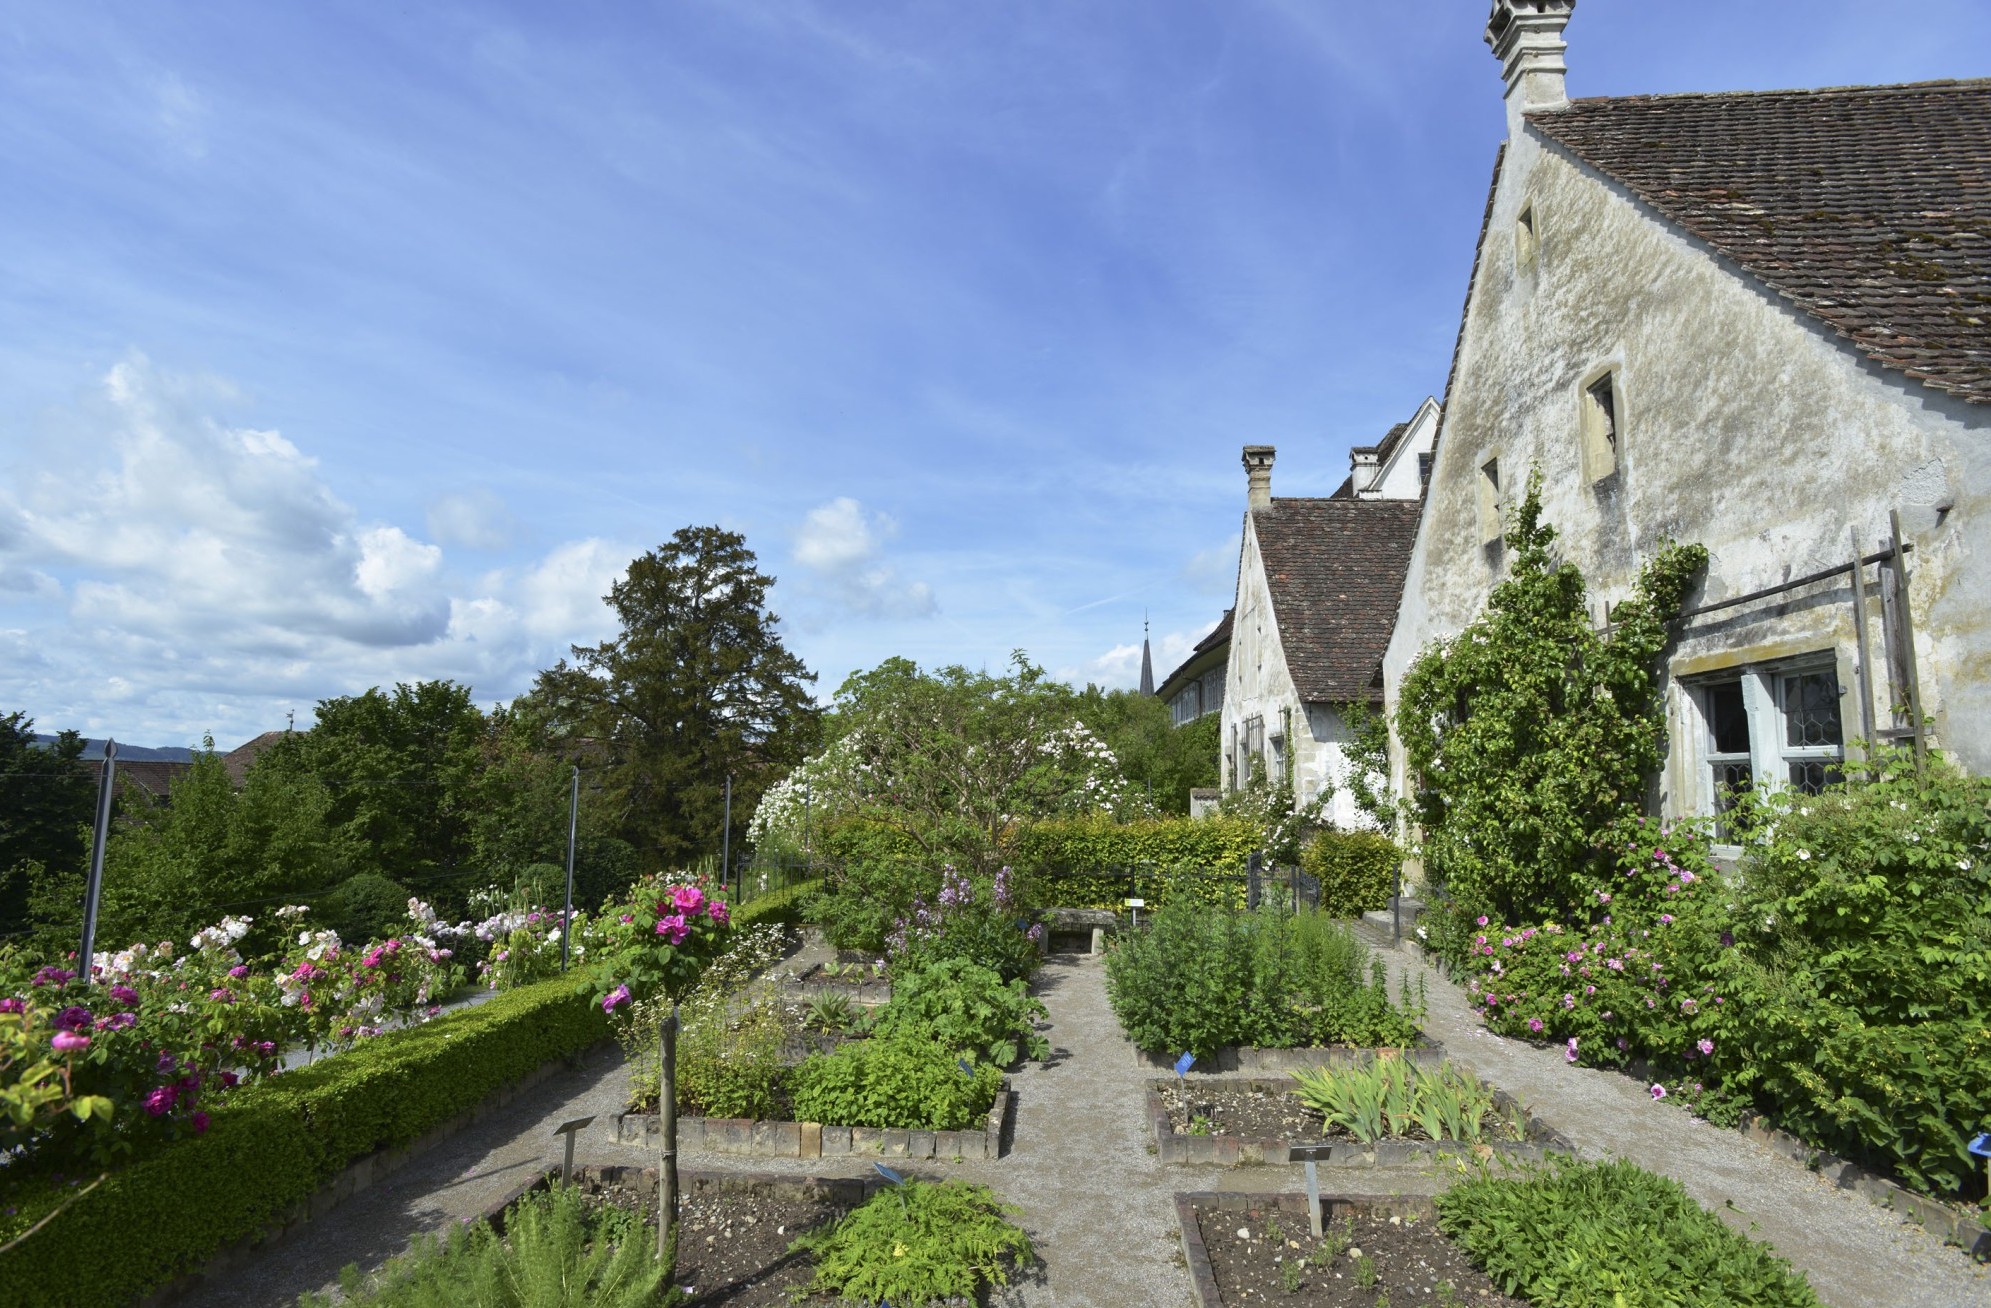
1527, 244
1601, 425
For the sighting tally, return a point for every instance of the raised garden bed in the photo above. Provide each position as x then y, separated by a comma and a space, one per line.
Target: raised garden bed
733, 1135
1246, 1121
1252, 1060
1373, 1248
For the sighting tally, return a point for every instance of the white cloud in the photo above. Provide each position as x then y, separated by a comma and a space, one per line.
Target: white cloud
841, 546
475, 519
172, 573
1119, 668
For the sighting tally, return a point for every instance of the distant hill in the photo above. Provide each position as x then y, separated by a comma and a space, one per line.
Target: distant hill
93, 750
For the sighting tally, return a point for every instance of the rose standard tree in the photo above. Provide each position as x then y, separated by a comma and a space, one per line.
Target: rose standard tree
659, 943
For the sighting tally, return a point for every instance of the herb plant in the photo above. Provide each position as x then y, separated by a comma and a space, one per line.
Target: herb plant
968, 1009
1574, 1234
894, 1081
918, 1243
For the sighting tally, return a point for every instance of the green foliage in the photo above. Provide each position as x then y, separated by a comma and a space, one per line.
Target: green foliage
1357, 870
1369, 765
981, 921
1284, 822
274, 1144
919, 1243
1064, 860
900, 1081
1200, 979
1573, 1234
967, 1009
367, 907
783, 907
831, 1014
874, 871
697, 686
1394, 1097
1160, 760
558, 1250
49, 801
1529, 732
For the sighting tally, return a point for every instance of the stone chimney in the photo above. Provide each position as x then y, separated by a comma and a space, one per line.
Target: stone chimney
1526, 36
1258, 475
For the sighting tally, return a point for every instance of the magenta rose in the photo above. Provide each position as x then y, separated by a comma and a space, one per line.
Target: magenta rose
673, 929
68, 1042
687, 899
716, 910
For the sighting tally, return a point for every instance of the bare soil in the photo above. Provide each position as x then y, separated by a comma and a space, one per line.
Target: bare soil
1362, 1262
1267, 1115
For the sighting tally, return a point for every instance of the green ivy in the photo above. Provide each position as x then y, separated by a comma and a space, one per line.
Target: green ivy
274, 1144
1530, 732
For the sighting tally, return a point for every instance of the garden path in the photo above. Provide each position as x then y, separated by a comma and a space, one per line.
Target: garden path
1857, 1254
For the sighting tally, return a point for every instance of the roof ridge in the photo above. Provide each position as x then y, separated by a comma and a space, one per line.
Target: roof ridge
1934, 84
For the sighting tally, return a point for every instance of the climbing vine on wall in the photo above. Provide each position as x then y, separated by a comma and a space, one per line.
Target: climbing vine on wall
1529, 733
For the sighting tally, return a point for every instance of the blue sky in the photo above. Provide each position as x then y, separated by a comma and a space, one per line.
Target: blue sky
348, 343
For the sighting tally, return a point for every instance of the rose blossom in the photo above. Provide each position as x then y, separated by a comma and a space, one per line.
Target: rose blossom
716, 910
687, 899
673, 929
68, 1042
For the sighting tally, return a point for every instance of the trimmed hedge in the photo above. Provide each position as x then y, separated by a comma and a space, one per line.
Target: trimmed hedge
783, 906
1201, 858
276, 1143
1357, 870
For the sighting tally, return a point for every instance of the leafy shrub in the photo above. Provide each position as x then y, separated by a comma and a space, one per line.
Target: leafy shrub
558, 1250
1575, 1234
894, 1082
1066, 861
1200, 979
1529, 732
367, 906
732, 1031
1396, 1097
874, 873
273, 1144
918, 1243
967, 1009
985, 924
1357, 870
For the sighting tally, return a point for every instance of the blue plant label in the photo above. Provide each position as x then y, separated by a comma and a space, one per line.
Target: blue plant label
1184, 1063
966, 1070
889, 1174
1981, 1146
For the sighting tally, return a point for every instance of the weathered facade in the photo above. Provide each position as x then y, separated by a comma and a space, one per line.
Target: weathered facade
1757, 322
1318, 584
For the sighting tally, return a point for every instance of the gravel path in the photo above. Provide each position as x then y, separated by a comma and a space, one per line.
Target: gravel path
1857, 1254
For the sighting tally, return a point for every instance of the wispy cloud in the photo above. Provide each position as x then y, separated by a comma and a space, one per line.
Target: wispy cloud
840, 546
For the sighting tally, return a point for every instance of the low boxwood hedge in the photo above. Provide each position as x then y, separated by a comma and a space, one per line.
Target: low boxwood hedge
276, 1143
783, 906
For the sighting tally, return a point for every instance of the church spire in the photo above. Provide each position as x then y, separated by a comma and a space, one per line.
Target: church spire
1147, 660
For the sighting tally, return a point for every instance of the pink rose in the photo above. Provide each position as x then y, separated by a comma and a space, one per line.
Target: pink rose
68, 1042
688, 899
673, 929
716, 910
614, 998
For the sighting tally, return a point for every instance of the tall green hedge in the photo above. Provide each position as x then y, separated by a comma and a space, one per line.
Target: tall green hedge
276, 1143
1081, 862
1357, 870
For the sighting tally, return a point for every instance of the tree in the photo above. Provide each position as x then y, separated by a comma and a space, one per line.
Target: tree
47, 801
1530, 733
1156, 756
698, 686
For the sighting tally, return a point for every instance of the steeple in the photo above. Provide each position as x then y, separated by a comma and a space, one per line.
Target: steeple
1147, 660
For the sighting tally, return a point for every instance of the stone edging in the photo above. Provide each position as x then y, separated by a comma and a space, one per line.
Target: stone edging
353, 1180
692, 1182
1203, 1278
739, 1135
1250, 1058
1175, 1149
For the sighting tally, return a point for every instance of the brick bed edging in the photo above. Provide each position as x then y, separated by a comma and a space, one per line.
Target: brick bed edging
356, 1178
1251, 1058
1203, 1277
740, 1135
1175, 1149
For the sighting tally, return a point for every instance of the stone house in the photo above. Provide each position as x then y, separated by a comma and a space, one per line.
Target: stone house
1760, 321
1318, 584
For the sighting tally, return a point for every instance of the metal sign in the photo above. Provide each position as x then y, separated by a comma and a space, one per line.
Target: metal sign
1312, 1156
570, 1130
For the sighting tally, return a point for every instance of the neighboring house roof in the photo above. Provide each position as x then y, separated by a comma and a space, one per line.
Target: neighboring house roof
1335, 570
1381, 449
1869, 207
1218, 639
237, 760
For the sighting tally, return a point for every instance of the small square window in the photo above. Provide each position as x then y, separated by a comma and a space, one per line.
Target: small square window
1424, 472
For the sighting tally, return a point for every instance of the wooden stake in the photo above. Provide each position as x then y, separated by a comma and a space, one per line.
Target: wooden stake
667, 1121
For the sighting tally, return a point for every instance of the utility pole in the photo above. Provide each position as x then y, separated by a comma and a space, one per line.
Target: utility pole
573, 823
93, 896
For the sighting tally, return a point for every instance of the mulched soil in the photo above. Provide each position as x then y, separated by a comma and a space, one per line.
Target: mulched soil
733, 1248
1259, 1115
1413, 1263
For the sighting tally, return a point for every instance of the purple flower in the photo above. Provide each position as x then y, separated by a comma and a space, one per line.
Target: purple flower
12, 1005
1665, 918
716, 910
125, 995
166, 1065
1706, 1046
1569, 1054
614, 998
118, 1022
1535, 1025
673, 929
239, 971
199, 1121
68, 1042
1482, 919
160, 1101
74, 1018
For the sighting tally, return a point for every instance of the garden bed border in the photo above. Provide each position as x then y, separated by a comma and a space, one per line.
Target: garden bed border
1250, 1059
1175, 1149
767, 1139
1203, 1277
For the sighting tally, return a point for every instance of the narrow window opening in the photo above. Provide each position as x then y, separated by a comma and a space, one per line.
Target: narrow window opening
1424, 472
1600, 427
1489, 500
1527, 246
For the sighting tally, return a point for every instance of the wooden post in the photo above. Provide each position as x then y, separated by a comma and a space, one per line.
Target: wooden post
1907, 630
667, 1121
1865, 678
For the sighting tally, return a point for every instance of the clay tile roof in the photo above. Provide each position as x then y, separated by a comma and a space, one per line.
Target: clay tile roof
237, 760
1867, 207
1335, 569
